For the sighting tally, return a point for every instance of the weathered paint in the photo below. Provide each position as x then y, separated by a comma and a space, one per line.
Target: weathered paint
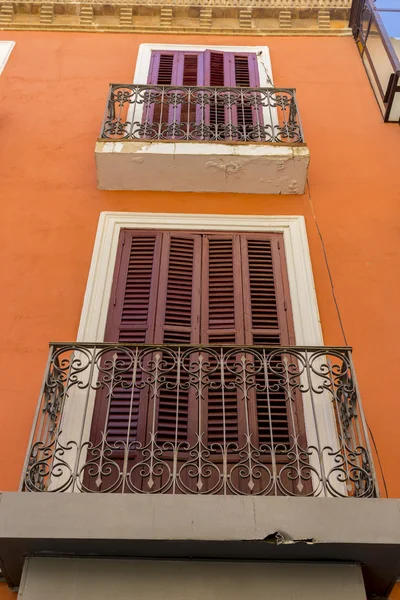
53, 94
246, 168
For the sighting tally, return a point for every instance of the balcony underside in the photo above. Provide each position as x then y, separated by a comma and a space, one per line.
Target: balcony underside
220, 527
202, 167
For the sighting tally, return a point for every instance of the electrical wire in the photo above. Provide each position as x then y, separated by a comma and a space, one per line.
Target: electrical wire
340, 320
379, 459
327, 264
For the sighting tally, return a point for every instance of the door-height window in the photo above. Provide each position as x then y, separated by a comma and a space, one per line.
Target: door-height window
210, 113
198, 303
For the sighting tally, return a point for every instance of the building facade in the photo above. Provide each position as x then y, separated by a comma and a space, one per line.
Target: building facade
200, 293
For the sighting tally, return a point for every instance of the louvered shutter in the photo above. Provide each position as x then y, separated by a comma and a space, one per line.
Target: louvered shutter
266, 297
163, 71
163, 68
245, 75
216, 74
175, 69
178, 322
245, 300
237, 70
155, 299
211, 68
222, 323
133, 297
216, 69
267, 322
121, 411
245, 70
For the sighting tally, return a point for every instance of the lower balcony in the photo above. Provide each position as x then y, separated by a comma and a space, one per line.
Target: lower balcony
251, 454
272, 421
202, 139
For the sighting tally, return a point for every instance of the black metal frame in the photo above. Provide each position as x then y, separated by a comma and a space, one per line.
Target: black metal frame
387, 96
139, 112
62, 457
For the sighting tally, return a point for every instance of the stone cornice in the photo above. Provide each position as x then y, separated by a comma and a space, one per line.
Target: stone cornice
264, 4
222, 17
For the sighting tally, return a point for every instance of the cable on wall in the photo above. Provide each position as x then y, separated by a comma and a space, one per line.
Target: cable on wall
341, 322
327, 264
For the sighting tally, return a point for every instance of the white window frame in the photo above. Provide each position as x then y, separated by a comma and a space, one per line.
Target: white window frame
143, 65
302, 291
302, 294
6, 48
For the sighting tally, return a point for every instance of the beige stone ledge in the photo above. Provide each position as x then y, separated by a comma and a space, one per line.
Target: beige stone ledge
174, 30
183, 18
266, 4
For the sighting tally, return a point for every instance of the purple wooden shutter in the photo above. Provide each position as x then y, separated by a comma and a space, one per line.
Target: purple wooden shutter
244, 70
245, 73
177, 69
178, 322
217, 73
231, 69
121, 406
191, 75
163, 68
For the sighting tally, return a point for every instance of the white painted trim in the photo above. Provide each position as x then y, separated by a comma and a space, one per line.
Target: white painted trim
263, 59
302, 291
5, 51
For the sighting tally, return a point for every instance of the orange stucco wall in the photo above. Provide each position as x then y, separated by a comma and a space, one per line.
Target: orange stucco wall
6, 593
52, 98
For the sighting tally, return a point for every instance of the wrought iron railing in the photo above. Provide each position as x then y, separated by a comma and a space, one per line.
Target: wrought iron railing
200, 420
380, 58
201, 114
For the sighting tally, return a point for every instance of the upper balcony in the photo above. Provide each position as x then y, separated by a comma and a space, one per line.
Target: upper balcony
202, 139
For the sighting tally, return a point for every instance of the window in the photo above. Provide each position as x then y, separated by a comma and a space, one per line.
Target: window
376, 28
197, 288
201, 109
